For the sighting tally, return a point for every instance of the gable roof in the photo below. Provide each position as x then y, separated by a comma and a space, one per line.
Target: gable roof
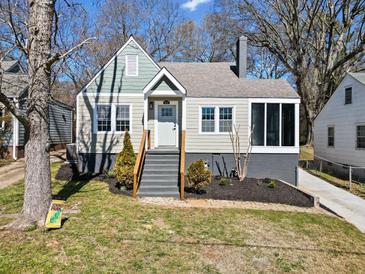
8, 65
220, 80
13, 84
164, 73
359, 76
131, 39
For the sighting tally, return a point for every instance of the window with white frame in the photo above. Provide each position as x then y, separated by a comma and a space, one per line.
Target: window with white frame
208, 121
273, 124
360, 136
216, 119
331, 136
122, 121
225, 119
131, 65
113, 117
103, 116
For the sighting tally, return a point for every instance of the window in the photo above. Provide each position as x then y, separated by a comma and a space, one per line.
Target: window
2, 121
331, 137
104, 117
348, 95
360, 136
208, 119
288, 125
122, 118
280, 125
272, 125
225, 119
166, 112
258, 124
131, 65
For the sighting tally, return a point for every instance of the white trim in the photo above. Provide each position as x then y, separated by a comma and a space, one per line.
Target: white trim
114, 56
159, 75
127, 66
110, 94
113, 121
160, 103
216, 118
77, 123
183, 116
275, 149
279, 148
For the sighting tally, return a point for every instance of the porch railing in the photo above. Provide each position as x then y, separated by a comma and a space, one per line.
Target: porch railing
182, 165
140, 159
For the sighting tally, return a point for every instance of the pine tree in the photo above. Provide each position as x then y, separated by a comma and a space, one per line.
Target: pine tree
125, 162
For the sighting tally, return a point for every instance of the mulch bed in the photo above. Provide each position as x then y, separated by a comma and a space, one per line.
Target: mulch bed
68, 172
255, 190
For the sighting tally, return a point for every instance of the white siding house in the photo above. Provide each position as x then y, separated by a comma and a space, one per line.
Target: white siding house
339, 129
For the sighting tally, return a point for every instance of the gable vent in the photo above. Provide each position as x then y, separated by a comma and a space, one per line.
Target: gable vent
131, 65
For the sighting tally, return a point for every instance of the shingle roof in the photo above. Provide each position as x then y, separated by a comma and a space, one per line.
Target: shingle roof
360, 76
219, 80
13, 84
7, 65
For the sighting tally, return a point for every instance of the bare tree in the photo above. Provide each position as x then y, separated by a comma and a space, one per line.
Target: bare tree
317, 41
34, 33
241, 161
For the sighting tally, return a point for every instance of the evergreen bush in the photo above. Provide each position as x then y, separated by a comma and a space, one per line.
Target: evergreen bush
198, 176
125, 162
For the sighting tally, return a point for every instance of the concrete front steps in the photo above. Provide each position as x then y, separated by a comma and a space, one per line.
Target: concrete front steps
160, 175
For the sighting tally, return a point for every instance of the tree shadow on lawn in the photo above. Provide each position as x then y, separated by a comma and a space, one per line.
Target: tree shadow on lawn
74, 181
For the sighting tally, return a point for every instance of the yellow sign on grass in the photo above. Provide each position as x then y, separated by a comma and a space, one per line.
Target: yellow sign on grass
55, 214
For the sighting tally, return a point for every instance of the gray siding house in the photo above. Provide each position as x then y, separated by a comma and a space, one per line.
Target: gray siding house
339, 129
14, 85
204, 100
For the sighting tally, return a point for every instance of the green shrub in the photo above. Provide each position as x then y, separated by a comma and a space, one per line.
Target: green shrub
224, 181
198, 176
125, 162
270, 183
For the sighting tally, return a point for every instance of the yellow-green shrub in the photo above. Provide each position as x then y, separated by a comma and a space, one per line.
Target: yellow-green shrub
125, 162
198, 176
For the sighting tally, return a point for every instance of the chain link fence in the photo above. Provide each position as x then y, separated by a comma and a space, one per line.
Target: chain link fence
344, 176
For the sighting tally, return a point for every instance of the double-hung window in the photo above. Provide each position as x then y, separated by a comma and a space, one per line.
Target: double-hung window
104, 120
122, 118
113, 117
331, 137
131, 62
273, 124
216, 119
360, 136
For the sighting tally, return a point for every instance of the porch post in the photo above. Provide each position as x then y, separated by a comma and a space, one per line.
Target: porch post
145, 117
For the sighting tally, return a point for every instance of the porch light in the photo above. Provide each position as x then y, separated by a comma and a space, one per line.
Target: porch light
151, 105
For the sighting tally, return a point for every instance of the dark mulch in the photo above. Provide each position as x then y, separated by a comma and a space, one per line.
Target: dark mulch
252, 189
69, 172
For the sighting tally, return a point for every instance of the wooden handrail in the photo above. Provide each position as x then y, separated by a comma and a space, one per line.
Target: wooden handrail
182, 165
140, 159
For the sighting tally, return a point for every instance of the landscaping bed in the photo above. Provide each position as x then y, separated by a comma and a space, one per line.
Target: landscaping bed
251, 189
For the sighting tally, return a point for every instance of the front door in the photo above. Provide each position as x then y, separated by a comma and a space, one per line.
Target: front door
167, 125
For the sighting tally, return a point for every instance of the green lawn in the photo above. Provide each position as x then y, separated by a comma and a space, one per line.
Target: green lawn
115, 234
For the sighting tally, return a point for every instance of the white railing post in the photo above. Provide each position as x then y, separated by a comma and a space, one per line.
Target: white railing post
350, 178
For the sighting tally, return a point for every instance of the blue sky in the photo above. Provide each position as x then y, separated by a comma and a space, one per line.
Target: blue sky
193, 9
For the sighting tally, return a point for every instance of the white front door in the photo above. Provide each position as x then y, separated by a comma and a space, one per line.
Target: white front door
167, 125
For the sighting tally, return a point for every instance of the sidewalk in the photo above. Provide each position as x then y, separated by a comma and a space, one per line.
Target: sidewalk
341, 202
14, 172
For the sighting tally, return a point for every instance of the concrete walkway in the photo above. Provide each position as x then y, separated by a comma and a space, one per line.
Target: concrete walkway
14, 172
341, 202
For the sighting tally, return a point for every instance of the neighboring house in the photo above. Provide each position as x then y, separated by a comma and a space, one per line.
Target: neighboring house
339, 129
204, 100
14, 84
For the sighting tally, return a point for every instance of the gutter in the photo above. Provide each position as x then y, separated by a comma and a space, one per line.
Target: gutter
15, 133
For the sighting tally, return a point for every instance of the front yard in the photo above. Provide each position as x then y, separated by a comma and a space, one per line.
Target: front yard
113, 233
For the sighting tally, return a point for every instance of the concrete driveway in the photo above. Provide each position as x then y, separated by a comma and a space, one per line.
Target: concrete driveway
14, 172
341, 202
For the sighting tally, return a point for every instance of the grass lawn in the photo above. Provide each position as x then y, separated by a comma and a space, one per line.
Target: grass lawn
116, 234
357, 188
306, 153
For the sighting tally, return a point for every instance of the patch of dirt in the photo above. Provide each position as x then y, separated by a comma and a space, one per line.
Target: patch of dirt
255, 190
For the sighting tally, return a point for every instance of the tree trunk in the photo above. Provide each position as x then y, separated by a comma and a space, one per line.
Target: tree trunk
37, 195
